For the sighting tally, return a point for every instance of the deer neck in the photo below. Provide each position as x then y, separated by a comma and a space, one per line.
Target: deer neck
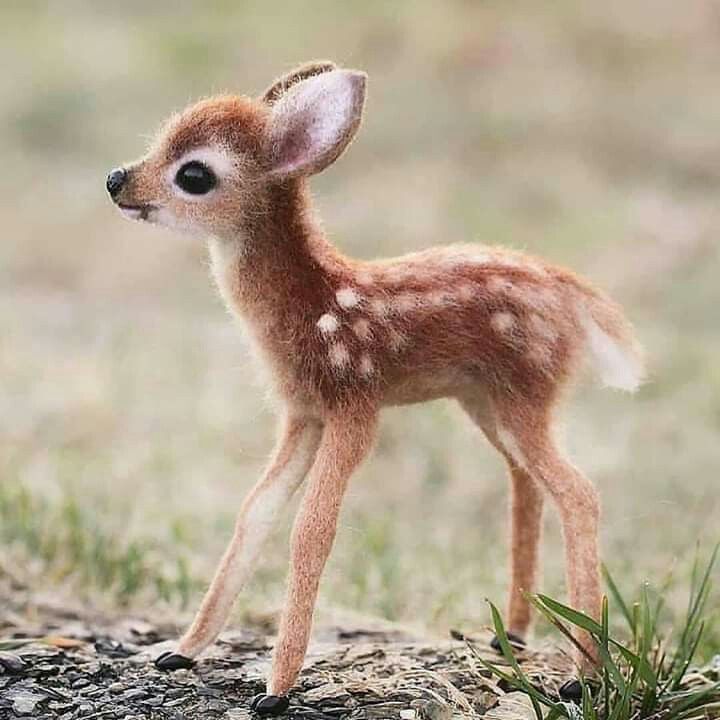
278, 272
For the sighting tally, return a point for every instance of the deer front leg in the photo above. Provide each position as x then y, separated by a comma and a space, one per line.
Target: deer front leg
293, 457
345, 442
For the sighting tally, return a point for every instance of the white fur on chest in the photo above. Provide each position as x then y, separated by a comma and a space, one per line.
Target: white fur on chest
226, 258
227, 262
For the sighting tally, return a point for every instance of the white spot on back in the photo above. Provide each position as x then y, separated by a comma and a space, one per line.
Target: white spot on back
347, 298
361, 327
502, 321
466, 292
366, 366
339, 355
379, 306
406, 302
328, 324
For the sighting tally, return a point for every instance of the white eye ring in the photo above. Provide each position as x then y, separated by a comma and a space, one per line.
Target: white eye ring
218, 161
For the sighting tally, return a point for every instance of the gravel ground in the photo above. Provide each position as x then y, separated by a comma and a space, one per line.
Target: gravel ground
99, 667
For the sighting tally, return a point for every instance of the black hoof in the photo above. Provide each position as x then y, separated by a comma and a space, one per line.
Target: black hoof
172, 661
571, 691
269, 704
516, 642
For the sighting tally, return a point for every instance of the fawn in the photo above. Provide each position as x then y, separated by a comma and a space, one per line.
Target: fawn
501, 332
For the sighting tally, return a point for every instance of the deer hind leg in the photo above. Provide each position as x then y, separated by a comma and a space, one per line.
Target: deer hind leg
526, 435
293, 456
526, 511
344, 444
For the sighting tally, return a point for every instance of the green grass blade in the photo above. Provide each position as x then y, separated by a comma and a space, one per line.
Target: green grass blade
553, 620
694, 626
510, 657
14, 644
574, 616
604, 641
612, 669
618, 599
694, 701
682, 666
588, 709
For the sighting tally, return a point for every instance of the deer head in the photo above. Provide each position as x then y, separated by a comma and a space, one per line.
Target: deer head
213, 166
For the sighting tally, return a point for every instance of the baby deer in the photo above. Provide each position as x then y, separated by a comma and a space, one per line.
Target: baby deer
501, 332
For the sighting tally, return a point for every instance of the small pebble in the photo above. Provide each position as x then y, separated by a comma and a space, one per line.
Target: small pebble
25, 703
11, 663
174, 703
94, 693
134, 694
153, 702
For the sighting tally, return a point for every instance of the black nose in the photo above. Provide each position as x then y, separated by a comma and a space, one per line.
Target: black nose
115, 180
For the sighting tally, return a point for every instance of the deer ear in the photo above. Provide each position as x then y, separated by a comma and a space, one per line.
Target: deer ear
284, 83
314, 121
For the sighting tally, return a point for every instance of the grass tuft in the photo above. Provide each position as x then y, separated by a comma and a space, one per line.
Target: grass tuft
641, 672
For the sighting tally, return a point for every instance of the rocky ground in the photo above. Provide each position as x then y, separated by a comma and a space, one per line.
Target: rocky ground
59, 663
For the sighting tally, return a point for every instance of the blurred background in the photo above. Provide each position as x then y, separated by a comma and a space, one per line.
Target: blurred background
131, 420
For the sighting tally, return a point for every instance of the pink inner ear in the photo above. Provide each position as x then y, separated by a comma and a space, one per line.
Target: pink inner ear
296, 148
315, 120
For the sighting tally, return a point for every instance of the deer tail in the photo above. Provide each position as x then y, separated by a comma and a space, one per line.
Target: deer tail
614, 351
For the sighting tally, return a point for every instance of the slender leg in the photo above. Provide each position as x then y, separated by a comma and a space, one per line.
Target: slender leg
345, 442
527, 439
526, 509
293, 457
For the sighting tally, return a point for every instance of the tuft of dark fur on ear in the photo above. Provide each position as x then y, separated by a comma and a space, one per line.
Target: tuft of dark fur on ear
305, 71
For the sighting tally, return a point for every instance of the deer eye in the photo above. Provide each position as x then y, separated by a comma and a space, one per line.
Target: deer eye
195, 178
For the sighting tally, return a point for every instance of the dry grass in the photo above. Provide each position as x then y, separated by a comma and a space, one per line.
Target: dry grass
586, 135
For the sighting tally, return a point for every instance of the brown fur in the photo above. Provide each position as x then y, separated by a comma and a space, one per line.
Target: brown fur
503, 334
284, 83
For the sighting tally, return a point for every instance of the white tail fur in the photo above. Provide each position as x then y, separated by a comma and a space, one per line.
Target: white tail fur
616, 358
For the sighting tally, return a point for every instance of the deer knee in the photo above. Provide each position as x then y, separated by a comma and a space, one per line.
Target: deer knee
577, 499
582, 501
311, 542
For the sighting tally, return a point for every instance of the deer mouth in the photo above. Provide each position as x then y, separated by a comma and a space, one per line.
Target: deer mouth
136, 212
